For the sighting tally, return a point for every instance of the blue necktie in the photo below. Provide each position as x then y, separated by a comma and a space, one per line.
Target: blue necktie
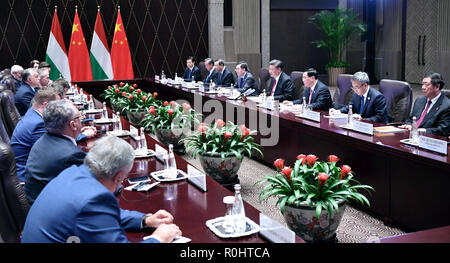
361, 109
242, 83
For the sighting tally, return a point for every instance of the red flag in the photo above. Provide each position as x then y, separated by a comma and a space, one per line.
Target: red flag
120, 52
80, 64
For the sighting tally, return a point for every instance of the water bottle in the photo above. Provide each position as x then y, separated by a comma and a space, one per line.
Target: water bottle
304, 105
228, 223
176, 77
104, 112
91, 102
264, 96
143, 141
172, 163
349, 116
231, 90
118, 122
239, 219
414, 133
81, 96
75, 91
163, 76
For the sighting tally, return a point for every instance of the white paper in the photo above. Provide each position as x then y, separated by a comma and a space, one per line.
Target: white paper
310, 115
160, 151
432, 144
363, 127
274, 231
134, 132
337, 116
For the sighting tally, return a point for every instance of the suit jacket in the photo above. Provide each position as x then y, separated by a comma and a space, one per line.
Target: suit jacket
248, 82
49, 156
225, 78
284, 89
211, 76
374, 107
437, 120
194, 74
23, 98
75, 203
321, 97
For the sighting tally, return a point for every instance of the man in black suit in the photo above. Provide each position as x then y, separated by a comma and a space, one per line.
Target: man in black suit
212, 73
27, 90
192, 72
225, 78
281, 87
245, 80
432, 110
56, 150
317, 94
368, 103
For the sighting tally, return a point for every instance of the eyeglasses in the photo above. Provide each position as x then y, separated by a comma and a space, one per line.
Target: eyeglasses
356, 87
81, 117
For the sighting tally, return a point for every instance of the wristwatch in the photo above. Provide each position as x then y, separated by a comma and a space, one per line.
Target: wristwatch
144, 218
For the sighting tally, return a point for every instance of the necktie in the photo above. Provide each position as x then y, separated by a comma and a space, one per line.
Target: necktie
220, 78
423, 114
190, 73
310, 96
274, 86
242, 83
361, 109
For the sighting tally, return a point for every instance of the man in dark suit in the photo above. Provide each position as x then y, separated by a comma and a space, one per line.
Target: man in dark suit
192, 72
26, 91
55, 150
245, 80
281, 87
16, 73
79, 203
368, 103
432, 110
317, 94
225, 78
212, 73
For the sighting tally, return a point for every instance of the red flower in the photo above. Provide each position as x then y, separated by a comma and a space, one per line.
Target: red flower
124, 93
227, 135
138, 91
311, 159
115, 86
152, 110
109, 87
117, 91
166, 103
144, 98
279, 163
245, 133
170, 111
131, 97
323, 177
345, 169
186, 106
155, 94
303, 157
134, 85
121, 84
203, 124
220, 123
202, 129
131, 88
333, 159
287, 171
172, 103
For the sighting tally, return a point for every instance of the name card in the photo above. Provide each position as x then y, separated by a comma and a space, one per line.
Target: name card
160, 151
156, 77
274, 231
432, 144
197, 178
134, 133
312, 115
363, 127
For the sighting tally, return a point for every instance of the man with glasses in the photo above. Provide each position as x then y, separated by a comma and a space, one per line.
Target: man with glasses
25, 93
368, 103
432, 110
56, 149
245, 80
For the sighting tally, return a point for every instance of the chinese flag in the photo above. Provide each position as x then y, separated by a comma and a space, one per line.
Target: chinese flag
120, 52
80, 64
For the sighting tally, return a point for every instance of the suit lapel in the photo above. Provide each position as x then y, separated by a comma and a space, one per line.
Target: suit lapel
433, 110
367, 103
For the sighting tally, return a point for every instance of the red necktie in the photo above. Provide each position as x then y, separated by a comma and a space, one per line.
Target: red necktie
310, 96
273, 88
423, 114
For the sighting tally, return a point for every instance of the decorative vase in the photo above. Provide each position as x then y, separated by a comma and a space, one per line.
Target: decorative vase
172, 136
223, 172
333, 74
302, 220
136, 117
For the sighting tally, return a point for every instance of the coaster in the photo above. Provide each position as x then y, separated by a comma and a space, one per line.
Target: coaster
138, 154
216, 226
162, 177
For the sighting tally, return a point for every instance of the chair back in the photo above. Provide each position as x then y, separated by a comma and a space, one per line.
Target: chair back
343, 94
398, 96
10, 114
446, 92
264, 78
203, 71
296, 77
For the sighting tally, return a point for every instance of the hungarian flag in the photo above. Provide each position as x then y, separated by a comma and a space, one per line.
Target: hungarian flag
56, 54
80, 64
120, 52
100, 57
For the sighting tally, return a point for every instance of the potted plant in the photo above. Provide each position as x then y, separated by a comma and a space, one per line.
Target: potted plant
170, 122
114, 92
313, 195
338, 28
221, 148
136, 103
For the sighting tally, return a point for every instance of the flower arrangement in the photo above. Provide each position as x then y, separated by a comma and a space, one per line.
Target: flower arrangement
222, 138
129, 97
170, 116
318, 184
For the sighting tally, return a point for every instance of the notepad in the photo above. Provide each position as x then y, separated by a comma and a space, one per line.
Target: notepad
388, 129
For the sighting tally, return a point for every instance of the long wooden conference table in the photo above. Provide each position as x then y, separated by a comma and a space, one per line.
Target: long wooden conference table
411, 184
190, 206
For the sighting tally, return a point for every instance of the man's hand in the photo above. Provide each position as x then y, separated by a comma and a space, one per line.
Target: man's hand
405, 126
334, 111
288, 103
356, 116
89, 131
159, 218
166, 232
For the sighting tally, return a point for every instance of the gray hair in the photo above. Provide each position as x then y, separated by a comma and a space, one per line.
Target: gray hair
57, 115
109, 156
59, 89
361, 77
42, 71
27, 73
16, 68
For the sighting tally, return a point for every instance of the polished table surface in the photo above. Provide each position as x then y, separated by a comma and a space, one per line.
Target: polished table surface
190, 206
435, 235
410, 183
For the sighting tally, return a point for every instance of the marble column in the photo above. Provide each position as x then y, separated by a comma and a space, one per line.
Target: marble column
265, 33
216, 29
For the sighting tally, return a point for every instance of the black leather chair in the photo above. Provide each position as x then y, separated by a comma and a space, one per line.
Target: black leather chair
446, 92
203, 71
297, 79
9, 83
343, 94
264, 78
399, 98
10, 114
14, 205
4, 136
